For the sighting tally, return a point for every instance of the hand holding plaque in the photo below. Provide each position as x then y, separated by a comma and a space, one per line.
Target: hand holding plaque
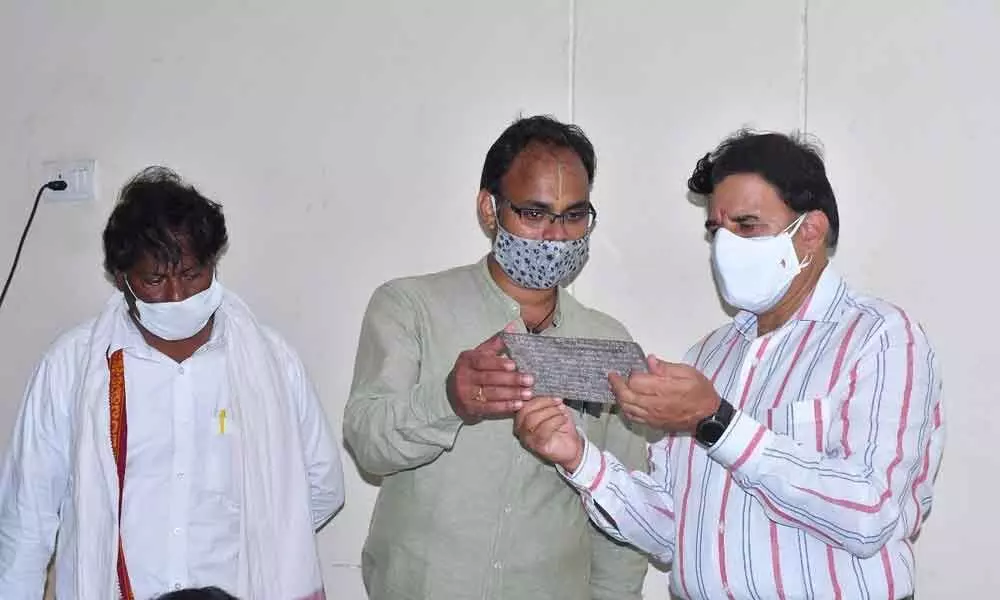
485, 384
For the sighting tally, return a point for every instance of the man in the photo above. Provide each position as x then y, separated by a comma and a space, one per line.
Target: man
464, 511
803, 438
173, 441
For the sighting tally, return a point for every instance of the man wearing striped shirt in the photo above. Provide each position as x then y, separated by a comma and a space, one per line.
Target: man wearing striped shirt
802, 439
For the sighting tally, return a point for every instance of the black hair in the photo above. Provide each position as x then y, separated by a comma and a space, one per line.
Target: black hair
540, 129
204, 593
792, 165
159, 215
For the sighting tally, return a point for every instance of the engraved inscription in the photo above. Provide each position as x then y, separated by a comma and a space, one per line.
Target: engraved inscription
573, 368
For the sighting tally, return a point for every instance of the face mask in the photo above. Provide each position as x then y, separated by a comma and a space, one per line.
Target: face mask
753, 274
539, 264
179, 320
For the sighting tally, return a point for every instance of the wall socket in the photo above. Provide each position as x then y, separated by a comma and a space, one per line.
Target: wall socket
80, 177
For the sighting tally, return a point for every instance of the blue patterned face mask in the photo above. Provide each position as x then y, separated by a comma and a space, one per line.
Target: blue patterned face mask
539, 264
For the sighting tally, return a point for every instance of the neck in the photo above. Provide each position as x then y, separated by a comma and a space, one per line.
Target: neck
537, 306
178, 350
802, 287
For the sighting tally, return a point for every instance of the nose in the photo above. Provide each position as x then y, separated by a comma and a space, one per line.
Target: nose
555, 231
174, 291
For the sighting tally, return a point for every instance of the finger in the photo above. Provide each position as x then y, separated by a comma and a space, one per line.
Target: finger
527, 409
481, 361
499, 409
531, 422
655, 364
635, 411
619, 386
495, 393
635, 417
492, 345
645, 383
545, 429
502, 378
531, 406
673, 370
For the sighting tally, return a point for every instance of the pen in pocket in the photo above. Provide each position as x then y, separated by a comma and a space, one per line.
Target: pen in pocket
222, 421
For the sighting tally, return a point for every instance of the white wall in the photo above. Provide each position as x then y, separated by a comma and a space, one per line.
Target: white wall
337, 133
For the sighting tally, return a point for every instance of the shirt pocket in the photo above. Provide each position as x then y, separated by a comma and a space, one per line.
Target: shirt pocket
805, 421
221, 468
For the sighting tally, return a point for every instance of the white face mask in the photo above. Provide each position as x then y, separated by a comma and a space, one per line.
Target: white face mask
753, 274
179, 320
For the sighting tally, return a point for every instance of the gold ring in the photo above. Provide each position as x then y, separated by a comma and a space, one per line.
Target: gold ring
480, 396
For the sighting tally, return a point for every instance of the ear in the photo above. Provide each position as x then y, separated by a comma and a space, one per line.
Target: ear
487, 212
120, 282
812, 233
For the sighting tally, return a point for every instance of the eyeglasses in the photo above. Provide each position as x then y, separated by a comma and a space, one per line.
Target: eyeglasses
575, 219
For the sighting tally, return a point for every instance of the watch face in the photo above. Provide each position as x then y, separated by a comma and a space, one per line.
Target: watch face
710, 431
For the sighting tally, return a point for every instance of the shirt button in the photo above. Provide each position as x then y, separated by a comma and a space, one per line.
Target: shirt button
497, 565
507, 509
177, 586
180, 369
177, 530
180, 476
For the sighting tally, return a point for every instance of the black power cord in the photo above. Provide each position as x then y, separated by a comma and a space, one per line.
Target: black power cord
57, 185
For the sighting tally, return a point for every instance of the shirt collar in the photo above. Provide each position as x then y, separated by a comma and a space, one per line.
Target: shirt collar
495, 294
126, 335
822, 305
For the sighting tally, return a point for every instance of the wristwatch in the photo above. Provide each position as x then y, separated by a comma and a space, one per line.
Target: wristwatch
711, 428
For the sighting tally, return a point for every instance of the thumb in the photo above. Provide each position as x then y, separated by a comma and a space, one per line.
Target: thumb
494, 344
656, 366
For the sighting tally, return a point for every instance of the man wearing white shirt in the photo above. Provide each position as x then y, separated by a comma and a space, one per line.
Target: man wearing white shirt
172, 441
802, 439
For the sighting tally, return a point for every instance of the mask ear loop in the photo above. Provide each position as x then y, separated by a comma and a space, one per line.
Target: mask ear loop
496, 214
791, 230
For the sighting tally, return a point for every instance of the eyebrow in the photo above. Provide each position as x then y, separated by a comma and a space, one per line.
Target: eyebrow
741, 219
545, 206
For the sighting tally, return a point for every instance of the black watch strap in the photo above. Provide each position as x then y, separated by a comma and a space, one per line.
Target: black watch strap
711, 428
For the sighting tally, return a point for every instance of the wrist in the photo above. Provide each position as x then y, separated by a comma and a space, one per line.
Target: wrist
711, 428
571, 465
709, 407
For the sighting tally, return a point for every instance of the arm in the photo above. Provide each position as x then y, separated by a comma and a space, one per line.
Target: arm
630, 506
617, 571
393, 422
33, 481
873, 480
319, 446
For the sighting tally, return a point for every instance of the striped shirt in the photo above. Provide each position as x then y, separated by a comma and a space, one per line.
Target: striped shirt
820, 484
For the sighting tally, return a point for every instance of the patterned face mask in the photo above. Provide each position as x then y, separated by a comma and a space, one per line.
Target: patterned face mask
539, 264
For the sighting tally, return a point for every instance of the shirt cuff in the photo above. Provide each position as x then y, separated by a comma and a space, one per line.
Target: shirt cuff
742, 442
590, 472
437, 412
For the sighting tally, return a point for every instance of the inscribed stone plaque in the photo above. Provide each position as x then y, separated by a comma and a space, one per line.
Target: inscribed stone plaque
573, 368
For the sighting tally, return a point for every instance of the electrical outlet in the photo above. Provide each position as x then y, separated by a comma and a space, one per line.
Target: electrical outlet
80, 177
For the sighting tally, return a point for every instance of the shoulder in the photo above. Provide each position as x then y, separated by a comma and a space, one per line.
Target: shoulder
440, 281
281, 348
414, 291
713, 338
70, 346
880, 322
